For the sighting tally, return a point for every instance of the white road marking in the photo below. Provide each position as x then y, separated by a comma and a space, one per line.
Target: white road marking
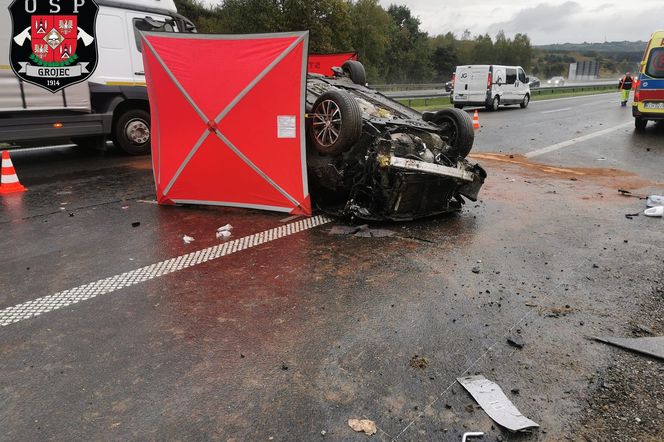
39, 306
556, 110
573, 141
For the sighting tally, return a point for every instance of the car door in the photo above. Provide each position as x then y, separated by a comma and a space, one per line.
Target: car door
522, 87
509, 89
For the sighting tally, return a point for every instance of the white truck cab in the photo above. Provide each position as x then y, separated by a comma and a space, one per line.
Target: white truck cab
112, 103
490, 86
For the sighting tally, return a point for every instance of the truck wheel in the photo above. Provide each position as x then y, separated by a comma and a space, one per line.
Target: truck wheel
457, 127
495, 103
336, 123
640, 123
132, 132
525, 102
355, 70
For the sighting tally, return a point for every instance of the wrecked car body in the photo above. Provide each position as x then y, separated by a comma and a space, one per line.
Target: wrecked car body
373, 158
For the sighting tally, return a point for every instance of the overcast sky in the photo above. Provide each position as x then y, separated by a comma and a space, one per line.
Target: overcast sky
553, 21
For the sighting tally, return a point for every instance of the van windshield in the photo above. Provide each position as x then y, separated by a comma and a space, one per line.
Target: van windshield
655, 66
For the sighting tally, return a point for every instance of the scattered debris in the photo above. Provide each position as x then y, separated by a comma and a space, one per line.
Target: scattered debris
362, 231
631, 215
653, 346
494, 402
323, 432
125, 207
224, 232
187, 239
654, 201
624, 192
284, 367
515, 391
638, 328
136, 224
556, 312
419, 362
654, 211
515, 341
476, 269
363, 425
467, 435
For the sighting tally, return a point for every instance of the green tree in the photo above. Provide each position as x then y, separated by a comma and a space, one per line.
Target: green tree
370, 36
408, 59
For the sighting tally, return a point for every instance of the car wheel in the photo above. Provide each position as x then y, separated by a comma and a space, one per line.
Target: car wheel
495, 103
525, 102
336, 123
132, 132
457, 127
640, 124
355, 70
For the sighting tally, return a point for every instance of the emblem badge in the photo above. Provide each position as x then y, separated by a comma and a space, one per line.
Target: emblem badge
53, 43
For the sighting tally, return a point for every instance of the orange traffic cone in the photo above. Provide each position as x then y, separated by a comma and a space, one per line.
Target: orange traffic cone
9, 181
476, 120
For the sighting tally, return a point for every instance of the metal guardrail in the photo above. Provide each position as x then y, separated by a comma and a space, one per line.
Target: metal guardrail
440, 93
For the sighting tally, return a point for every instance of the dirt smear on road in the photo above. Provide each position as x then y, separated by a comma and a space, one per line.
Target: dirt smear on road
614, 178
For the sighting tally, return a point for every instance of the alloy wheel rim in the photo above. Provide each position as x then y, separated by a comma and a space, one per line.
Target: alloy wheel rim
327, 123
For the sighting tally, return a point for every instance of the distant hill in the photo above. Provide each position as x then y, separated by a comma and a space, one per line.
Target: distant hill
606, 47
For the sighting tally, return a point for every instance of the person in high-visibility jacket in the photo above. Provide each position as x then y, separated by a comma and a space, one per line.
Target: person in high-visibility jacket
626, 84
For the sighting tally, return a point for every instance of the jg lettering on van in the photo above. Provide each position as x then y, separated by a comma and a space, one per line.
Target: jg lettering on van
53, 42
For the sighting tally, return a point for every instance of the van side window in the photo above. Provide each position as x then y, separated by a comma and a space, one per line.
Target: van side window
151, 25
522, 76
511, 76
655, 66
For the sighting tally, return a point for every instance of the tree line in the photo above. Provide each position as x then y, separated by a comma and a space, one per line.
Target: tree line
390, 42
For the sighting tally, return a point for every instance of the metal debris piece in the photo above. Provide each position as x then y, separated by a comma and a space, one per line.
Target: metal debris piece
363, 425
467, 435
494, 402
187, 239
515, 341
653, 346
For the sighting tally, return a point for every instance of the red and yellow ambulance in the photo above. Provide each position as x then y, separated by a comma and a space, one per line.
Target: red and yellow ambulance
649, 94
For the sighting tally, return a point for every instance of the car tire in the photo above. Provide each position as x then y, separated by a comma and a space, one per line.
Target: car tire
494, 105
335, 124
131, 132
355, 70
640, 124
525, 102
457, 129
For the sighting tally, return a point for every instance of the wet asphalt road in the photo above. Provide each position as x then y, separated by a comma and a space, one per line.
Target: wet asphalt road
291, 338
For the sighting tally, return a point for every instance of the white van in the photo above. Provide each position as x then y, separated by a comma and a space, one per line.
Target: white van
112, 103
490, 86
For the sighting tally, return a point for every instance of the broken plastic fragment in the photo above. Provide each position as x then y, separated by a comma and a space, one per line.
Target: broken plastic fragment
223, 234
655, 200
226, 228
363, 425
494, 402
187, 239
655, 211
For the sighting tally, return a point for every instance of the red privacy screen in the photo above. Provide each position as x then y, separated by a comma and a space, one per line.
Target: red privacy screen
323, 63
228, 119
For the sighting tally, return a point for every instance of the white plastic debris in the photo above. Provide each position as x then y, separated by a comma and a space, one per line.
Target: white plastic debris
655, 200
224, 232
187, 239
494, 402
655, 211
363, 425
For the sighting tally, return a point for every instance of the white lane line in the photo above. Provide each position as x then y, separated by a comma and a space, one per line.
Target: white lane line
39, 306
564, 109
573, 141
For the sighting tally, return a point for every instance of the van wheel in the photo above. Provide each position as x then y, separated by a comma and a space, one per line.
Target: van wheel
640, 124
494, 104
132, 132
525, 102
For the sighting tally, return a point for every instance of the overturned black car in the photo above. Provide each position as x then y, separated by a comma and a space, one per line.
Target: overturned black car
373, 158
